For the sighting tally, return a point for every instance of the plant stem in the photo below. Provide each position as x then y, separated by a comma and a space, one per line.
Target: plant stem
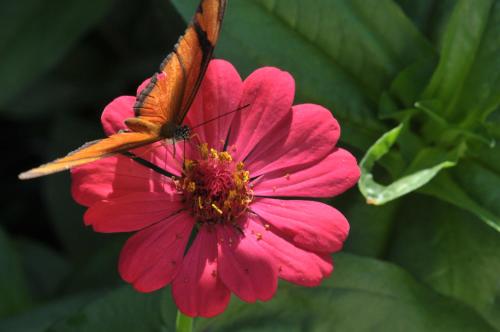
183, 323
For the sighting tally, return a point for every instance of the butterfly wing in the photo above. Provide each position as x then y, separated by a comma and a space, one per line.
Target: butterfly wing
164, 101
91, 152
170, 93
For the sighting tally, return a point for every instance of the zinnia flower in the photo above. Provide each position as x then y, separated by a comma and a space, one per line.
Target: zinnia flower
238, 184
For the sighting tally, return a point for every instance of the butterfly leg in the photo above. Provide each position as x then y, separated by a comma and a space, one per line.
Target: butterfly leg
184, 155
195, 135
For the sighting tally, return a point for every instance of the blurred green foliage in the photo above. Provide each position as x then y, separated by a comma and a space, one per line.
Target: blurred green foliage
425, 261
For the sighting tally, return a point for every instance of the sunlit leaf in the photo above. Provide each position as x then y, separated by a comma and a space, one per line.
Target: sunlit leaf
467, 77
424, 167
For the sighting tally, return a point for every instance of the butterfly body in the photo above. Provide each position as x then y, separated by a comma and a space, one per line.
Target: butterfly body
162, 105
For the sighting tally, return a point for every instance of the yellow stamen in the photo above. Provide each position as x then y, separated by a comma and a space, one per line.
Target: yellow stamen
237, 181
200, 203
225, 156
191, 187
214, 154
216, 208
188, 164
245, 176
203, 150
240, 166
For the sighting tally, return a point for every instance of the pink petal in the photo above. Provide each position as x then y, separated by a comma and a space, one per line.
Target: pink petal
151, 258
143, 85
115, 113
310, 225
220, 93
132, 212
270, 92
244, 267
294, 265
197, 289
329, 177
309, 133
115, 176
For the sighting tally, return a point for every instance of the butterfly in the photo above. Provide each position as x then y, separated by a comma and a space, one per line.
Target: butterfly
163, 104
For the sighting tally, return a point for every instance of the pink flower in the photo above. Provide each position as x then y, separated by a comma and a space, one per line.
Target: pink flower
241, 190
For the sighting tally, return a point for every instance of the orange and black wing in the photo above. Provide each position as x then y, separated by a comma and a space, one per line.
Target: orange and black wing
91, 152
170, 93
165, 100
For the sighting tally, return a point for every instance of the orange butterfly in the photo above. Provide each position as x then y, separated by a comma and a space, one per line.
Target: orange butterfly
161, 107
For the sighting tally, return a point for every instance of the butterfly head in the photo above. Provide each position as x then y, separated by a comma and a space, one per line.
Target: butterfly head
182, 132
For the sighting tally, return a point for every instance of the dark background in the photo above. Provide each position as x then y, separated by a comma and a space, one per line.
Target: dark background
414, 264
59, 110
63, 63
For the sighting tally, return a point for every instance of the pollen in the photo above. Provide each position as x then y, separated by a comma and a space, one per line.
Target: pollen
215, 187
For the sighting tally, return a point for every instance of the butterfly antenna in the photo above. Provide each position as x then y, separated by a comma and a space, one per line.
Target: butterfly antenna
220, 116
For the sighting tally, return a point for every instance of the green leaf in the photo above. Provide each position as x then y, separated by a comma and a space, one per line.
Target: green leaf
481, 92
370, 226
123, 310
341, 53
362, 295
473, 185
409, 83
36, 34
41, 318
447, 248
430, 16
424, 167
467, 77
14, 295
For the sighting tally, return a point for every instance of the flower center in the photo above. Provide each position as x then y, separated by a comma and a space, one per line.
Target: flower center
215, 187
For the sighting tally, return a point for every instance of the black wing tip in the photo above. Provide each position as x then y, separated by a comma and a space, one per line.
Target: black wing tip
222, 9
